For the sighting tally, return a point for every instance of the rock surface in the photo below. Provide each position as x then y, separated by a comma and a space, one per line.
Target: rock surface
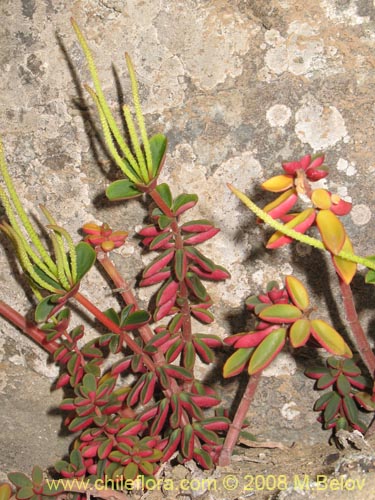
237, 87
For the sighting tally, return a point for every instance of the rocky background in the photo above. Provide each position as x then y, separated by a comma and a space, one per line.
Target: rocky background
238, 87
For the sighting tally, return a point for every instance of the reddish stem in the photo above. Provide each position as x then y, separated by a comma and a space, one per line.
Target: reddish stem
239, 418
29, 329
125, 289
161, 203
114, 328
360, 338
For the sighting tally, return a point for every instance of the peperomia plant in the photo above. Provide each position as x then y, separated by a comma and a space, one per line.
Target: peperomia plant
128, 429
286, 315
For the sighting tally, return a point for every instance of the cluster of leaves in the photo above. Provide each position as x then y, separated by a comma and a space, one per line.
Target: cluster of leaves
281, 315
126, 429
323, 210
339, 408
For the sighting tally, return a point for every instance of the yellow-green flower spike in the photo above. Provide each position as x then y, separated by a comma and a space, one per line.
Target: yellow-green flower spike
24, 258
72, 269
138, 111
109, 142
303, 238
16, 227
22, 214
61, 261
98, 89
135, 144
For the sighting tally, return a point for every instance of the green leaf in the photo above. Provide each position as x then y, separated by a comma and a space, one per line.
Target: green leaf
297, 292
196, 285
165, 193
25, 492
343, 385
280, 313
189, 356
236, 362
76, 459
123, 189
158, 145
19, 480
329, 338
47, 279
45, 307
136, 319
164, 222
125, 313
180, 264
267, 350
131, 471
299, 332
37, 475
321, 403
112, 315
325, 381
187, 441
183, 202
331, 230
86, 257
332, 407
350, 409
89, 381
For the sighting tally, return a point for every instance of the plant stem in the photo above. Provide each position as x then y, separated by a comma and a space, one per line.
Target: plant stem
360, 338
236, 426
115, 329
29, 329
161, 203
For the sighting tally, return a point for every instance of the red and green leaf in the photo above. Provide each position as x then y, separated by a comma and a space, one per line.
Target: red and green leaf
267, 351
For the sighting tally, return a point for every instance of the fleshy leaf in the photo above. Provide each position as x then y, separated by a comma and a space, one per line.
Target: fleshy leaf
282, 204
280, 313
86, 257
45, 307
329, 338
158, 145
299, 332
5, 491
331, 230
321, 199
345, 268
297, 292
300, 223
236, 362
19, 479
122, 189
165, 193
278, 183
267, 350
184, 202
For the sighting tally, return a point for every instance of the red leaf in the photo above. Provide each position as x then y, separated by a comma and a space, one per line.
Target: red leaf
201, 237
159, 263
197, 226
156, 278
